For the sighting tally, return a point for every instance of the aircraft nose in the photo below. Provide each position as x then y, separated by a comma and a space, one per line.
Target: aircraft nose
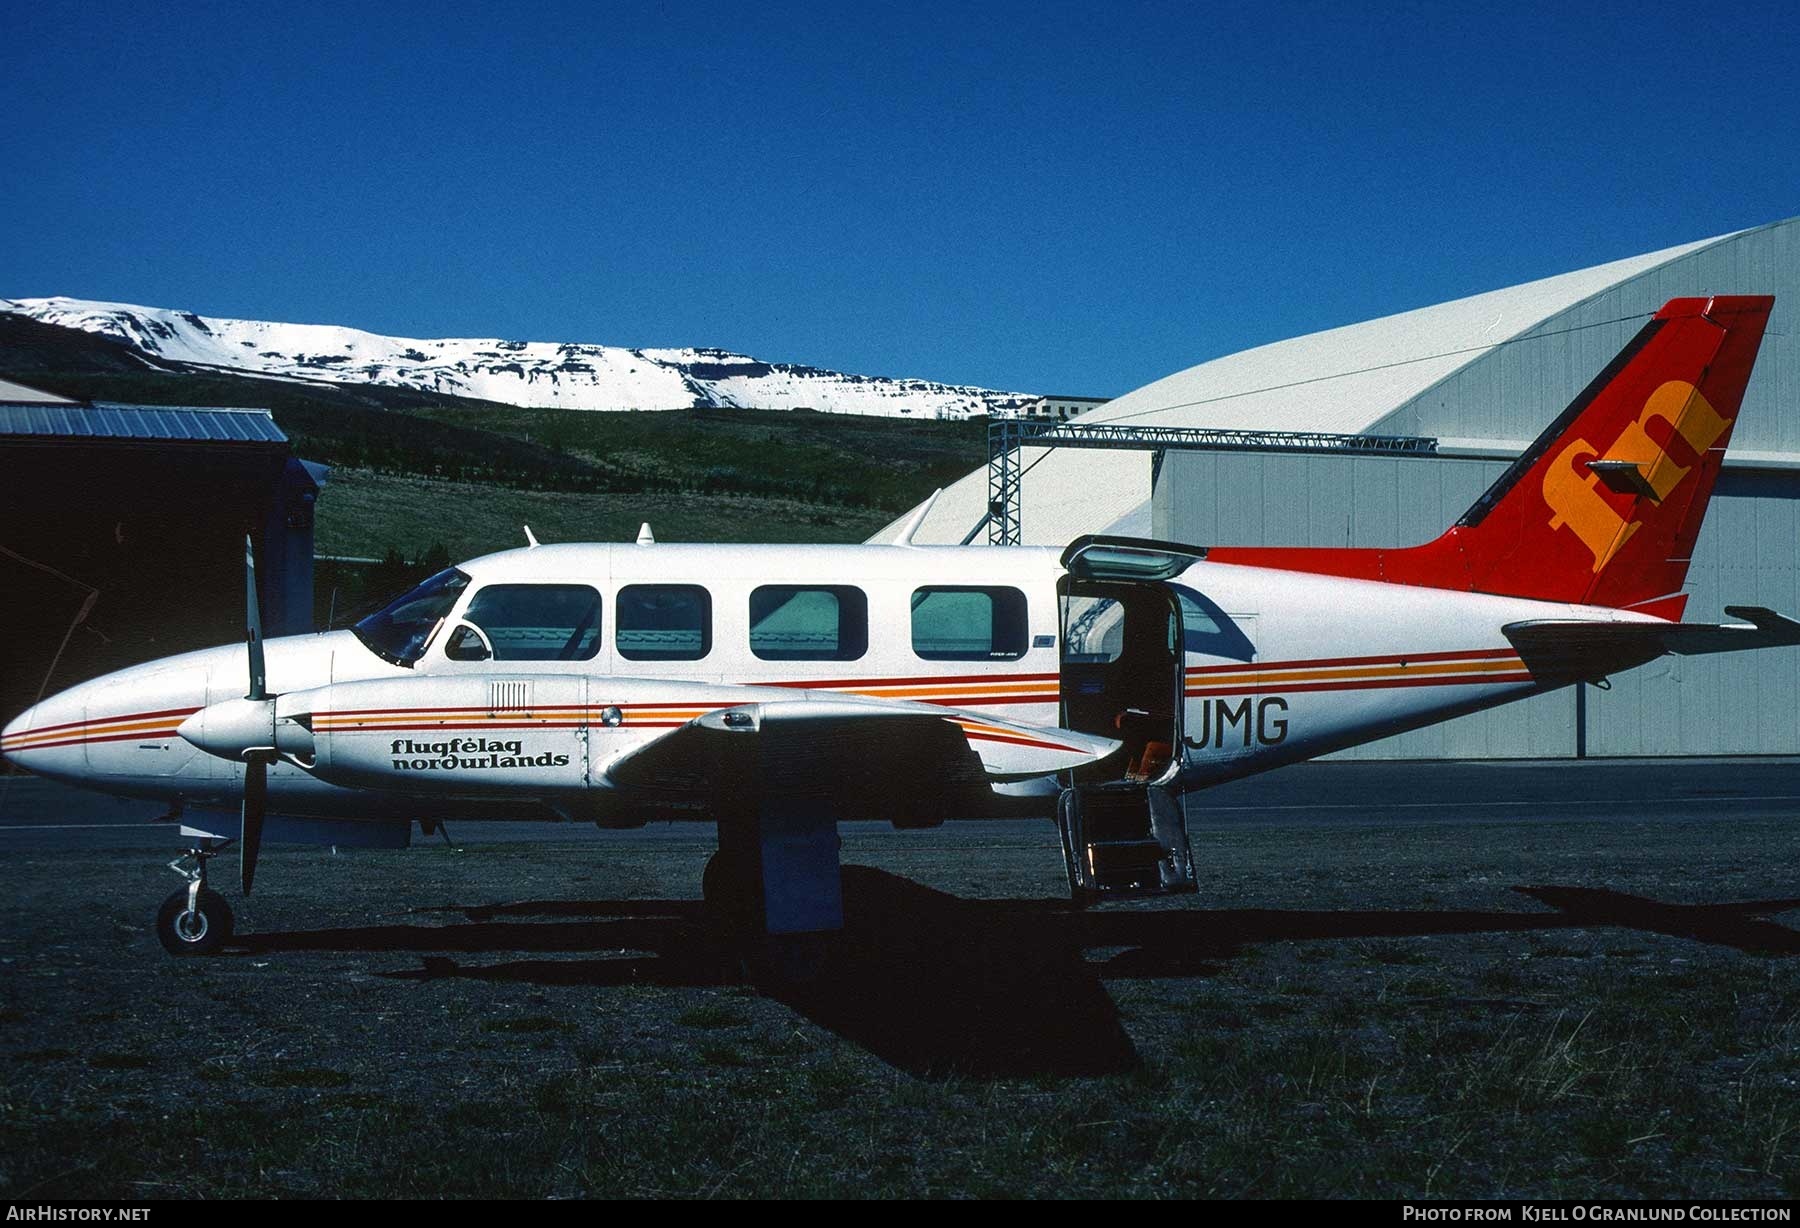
26, 737
13, 734
118, 725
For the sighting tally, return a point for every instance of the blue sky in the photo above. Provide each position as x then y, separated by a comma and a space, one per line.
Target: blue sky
1043, 197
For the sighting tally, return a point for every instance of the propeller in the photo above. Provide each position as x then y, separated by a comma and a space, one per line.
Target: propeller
256, 760
248, 731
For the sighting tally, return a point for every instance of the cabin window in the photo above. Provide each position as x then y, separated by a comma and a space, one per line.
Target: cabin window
662, 622
530, 622
792, 623
965, 623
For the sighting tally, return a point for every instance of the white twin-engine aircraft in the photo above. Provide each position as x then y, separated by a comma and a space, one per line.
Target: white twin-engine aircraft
778, 689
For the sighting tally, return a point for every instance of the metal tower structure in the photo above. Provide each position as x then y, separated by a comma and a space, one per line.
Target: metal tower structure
1009, 437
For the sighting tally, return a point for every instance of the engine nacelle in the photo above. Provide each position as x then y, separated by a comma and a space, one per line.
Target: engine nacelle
473, 736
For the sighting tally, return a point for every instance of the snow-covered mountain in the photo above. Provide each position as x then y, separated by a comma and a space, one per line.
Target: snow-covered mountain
540, 374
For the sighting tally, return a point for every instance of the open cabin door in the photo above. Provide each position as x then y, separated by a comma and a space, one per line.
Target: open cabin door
1123, 674
1122, 664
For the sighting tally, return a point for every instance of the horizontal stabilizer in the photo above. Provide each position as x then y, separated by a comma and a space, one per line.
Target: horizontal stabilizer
1575, 650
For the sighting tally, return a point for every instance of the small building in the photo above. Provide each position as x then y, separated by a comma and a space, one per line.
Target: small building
1059, 409
122, 530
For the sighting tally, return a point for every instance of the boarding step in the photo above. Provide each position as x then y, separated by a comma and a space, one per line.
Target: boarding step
1124, 840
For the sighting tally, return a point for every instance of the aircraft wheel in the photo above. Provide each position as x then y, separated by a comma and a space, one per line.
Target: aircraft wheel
201, 932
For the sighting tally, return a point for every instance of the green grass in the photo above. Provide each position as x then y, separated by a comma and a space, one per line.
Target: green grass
364, 515
1572, 1103
839, 460
121, 1061
525, 1024
302, 1077
712, 1015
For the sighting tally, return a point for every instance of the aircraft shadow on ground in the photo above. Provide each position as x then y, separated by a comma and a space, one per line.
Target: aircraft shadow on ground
937, 985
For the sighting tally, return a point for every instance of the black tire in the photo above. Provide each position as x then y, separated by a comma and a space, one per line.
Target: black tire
202, 934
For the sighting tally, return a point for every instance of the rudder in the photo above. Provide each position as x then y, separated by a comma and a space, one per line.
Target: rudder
1605, 507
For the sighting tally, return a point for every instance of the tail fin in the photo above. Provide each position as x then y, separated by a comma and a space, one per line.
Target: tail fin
1605, 507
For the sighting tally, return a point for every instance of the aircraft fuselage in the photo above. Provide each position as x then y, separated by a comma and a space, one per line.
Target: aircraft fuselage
1271, 667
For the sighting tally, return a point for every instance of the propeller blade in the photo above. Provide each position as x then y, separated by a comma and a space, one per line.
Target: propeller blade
259, 688
256, 788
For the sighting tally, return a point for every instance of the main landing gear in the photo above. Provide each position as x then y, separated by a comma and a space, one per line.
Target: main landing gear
774, 893
196, 920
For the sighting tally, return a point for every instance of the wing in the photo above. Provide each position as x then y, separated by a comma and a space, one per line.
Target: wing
908, 762
1571, 650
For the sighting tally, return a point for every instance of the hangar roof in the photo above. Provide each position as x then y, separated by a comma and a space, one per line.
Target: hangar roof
140, 423
1350, 380
24, 394
1347, 379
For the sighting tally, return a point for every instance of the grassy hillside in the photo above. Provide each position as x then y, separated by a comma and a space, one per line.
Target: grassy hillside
363, 514
836, 460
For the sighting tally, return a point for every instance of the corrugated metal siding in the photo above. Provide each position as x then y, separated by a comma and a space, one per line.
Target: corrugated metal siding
1748, 554
141, 422
1740, 703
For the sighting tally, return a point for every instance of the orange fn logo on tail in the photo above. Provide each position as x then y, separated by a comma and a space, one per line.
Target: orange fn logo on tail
1570, 486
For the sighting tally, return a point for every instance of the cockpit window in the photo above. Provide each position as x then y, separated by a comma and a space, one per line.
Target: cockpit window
401, 630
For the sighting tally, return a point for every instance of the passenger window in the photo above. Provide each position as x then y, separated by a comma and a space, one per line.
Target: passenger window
828, 623
663, 622
531, 622
969, 624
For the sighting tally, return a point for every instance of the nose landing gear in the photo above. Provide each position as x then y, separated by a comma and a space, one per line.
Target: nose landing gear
195, 920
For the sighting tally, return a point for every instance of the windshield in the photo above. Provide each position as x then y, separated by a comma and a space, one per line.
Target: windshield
400, 630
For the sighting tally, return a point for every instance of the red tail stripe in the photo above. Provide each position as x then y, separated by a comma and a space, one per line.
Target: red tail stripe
1274, 684
1479, 654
